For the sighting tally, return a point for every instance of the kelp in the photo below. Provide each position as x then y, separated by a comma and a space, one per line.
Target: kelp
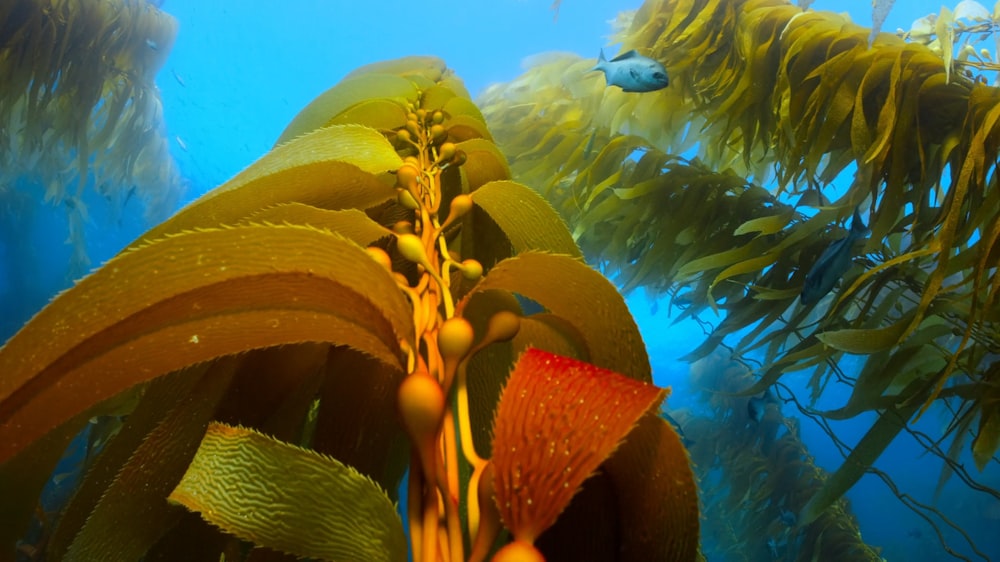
665, 191
343, 312
79, 108
758, 475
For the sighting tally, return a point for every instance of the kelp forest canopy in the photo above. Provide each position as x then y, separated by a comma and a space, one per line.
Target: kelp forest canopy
723, 190
79, 109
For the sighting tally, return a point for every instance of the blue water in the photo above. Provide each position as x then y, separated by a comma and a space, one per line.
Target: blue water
240, 71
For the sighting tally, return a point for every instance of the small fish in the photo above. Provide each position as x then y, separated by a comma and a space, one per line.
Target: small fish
772, 547
788, 517
178, 77
833, 263
813, 198
152, 45
633, 72
181, 143
757, 405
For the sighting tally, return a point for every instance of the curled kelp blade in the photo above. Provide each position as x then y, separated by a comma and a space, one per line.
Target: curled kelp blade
136, 318
347, 94
551, 333
651, 473
332, 168
244, 483
528, 221
559, 283
484, 163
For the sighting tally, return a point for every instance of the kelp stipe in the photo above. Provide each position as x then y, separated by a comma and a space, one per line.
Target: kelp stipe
339, 311
763, 92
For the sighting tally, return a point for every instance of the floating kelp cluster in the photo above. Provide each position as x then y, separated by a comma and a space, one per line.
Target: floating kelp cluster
79, 108
344, 311
664, 190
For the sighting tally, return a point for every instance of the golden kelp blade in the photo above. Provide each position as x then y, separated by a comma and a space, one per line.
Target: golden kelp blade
652, 474
346, 94
526, 218
136, 318
303, 170
560, 283
245, 483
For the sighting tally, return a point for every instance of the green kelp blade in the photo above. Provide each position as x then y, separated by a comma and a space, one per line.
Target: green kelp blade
332, 168
380, 114
865, 453
768, 224
289, 499
423, 67
435, 97
528, 221
987, 440
865, 341
189, 298
341, 97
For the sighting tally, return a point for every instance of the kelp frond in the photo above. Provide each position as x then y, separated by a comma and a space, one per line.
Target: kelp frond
345, 308
665, 189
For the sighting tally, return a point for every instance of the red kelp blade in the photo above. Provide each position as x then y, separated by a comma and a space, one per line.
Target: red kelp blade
558, 419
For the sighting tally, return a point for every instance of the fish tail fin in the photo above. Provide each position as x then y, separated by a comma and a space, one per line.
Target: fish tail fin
601, 61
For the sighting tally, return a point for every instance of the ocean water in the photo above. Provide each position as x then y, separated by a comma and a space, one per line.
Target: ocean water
240, 71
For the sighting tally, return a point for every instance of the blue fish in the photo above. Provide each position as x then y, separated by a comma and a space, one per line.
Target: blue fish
833, 263
633, 72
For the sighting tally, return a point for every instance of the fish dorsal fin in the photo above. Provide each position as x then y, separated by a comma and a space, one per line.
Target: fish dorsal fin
627, 55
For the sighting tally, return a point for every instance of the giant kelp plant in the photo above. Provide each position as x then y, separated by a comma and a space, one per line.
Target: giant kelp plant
664, 189
79, 108
344, 312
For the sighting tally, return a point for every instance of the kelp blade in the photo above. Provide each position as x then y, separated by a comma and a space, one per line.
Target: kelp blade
136, 319
333, 168
245, 482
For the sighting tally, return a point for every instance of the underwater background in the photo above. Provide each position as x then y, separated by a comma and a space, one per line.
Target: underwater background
240, 71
